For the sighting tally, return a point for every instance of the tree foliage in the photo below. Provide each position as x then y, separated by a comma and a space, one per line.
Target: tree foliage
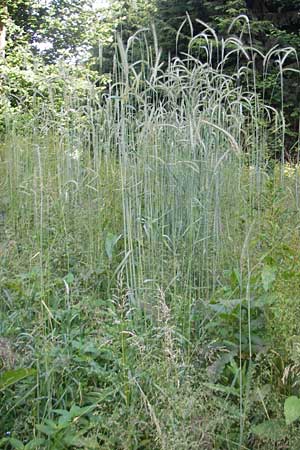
61, 26
272, 22
67, 26
124, 17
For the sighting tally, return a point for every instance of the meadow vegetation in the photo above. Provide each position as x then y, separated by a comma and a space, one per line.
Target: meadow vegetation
149, 249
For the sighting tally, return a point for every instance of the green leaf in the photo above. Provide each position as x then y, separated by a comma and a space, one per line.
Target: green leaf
226, 306
49, 429
268, 277
215, 369
291, 409
224, 389
13, 376
15, 443
71, 440
69, 278
35, 444
64, 420
110, 242
77, 411
273, 430
91, 443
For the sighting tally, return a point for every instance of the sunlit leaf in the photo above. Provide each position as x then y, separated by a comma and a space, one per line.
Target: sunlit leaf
13, 376
291, 409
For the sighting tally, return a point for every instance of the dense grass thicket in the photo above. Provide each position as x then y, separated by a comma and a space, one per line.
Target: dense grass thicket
149, 251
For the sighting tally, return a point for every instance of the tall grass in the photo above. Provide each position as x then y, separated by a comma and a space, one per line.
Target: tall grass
147, 196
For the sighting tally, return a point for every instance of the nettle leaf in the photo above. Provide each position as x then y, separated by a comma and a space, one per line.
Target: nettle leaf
215, 369
110, 242
49, 430
69, 278
35, 444
65, 420
90, 443
227, 306
268, 277
291, 409
269, 298
16, 444
13, 376
273, 430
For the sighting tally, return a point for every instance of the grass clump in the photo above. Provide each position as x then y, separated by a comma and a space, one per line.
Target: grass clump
149, 265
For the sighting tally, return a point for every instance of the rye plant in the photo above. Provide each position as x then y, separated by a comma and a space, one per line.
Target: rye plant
126, 211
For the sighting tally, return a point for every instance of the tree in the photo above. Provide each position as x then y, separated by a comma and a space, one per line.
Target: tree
65, 26
124, 17
3, 16
10, 10
68, 27
169, 18
18, 22
273, 22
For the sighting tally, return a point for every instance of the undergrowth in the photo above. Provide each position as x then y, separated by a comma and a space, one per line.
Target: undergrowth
149, 263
